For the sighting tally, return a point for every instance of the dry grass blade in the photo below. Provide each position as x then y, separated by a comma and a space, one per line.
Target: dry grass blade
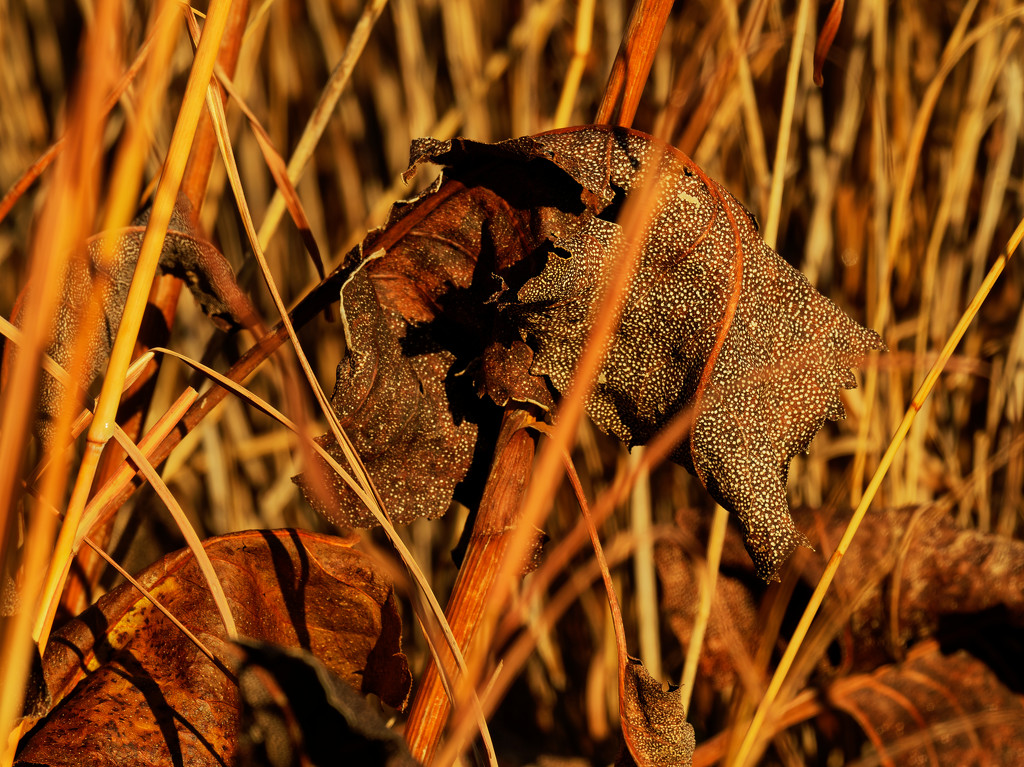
958, 46
362, 478
277, 167
104, 423
156, 603
224, 140
157, 227
275, 163
959, 43
152, 243
580, 49
828, 34
191, 538
125, 473
648, 618
318, 120
714, 91
708, 582
751, 739
771, 225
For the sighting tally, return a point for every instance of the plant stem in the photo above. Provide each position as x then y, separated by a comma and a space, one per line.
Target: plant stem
496, 521
633, 62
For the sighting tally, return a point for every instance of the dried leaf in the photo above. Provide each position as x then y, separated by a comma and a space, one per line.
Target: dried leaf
762, 380
185, 254
296, 711
396, 412
520, 237
732, 631
419, 309
132, 689
653, 721
940, 574
505, 375
935, 709
911, 574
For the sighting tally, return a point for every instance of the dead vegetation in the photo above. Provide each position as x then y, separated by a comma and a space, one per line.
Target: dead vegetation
898, 185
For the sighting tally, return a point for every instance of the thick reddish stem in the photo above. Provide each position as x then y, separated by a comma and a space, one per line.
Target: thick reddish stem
496, 521
633, 62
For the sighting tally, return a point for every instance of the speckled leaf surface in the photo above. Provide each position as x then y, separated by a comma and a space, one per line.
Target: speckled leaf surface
395, 409
715, 320
424, 335
653, 721
106, 278
521, 237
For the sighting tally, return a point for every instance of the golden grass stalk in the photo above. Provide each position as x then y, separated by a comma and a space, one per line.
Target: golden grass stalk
796, 55
125, 472
581, 42
317, 122
641, 517
708, 584
64, 223
104, 423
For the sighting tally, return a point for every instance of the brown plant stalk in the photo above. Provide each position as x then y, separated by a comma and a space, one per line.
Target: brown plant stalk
496, 521
471, 609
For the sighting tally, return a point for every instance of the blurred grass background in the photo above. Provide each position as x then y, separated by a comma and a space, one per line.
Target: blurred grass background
902, 181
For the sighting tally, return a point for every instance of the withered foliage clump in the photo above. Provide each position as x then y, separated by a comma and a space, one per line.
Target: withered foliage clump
519, 240
922, 618
898, 188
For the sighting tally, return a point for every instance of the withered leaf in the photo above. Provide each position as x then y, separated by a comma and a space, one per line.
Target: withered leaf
521, 236
129, 688
396, 412
935, 709
937, 575
420, 314
732, 630
653, 721
715, 320
296, 711
911, 574
185, 254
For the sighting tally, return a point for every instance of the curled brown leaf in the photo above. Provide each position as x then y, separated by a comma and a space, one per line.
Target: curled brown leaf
653, 721
128, 687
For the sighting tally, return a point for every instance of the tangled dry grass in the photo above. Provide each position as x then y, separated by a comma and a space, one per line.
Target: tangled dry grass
898, 184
